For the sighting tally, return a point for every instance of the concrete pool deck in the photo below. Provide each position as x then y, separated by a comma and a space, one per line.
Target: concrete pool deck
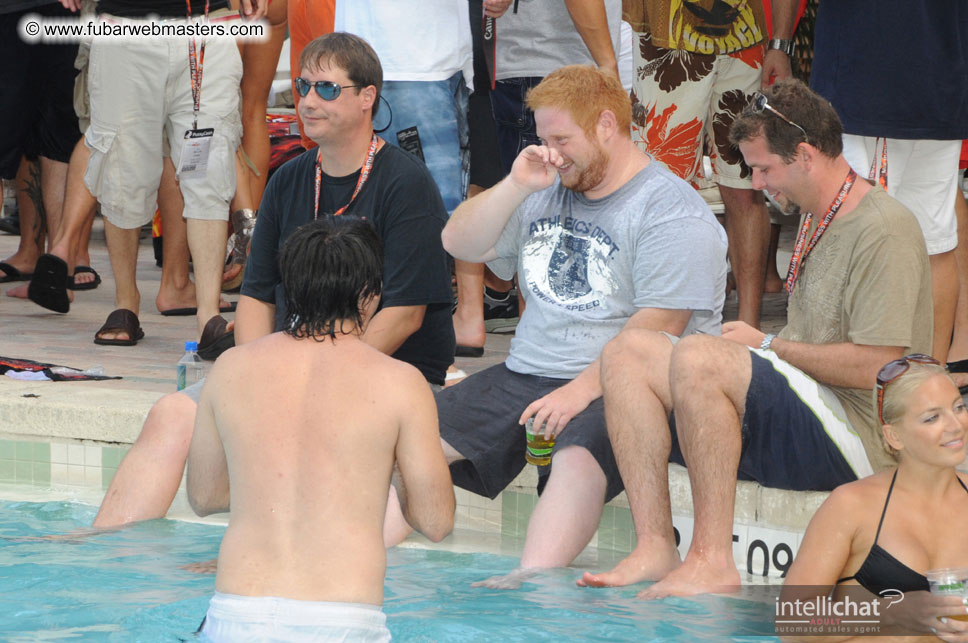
104, 417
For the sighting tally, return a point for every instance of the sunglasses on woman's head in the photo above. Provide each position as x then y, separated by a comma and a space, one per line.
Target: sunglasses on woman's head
893, 370
325, 89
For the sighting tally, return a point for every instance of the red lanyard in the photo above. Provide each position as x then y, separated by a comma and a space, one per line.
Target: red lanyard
364, 174
879, 173
799, 253
195, 67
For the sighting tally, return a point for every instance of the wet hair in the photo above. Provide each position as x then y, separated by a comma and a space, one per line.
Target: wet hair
584, 92
897, 393
330, 269
803, 106
350, 53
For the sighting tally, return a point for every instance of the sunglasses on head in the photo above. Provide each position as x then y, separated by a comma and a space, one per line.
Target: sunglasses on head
761, 103
893, 370
325, 89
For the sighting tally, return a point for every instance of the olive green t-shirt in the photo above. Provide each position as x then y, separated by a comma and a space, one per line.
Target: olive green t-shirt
867, 281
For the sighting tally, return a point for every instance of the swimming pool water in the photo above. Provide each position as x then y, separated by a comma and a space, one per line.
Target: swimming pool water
128, 585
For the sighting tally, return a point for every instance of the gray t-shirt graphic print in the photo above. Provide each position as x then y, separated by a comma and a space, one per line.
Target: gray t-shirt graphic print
585, 266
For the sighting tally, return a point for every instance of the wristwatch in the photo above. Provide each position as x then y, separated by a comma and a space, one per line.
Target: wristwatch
767, 342
786, 46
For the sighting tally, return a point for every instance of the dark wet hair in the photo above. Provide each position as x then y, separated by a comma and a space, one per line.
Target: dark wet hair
350, 53
803, 106
329, 269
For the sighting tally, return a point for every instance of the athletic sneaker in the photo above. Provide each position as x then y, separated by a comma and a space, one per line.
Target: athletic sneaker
500, 310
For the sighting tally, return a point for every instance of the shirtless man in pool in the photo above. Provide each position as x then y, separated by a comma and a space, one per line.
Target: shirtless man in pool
306, 425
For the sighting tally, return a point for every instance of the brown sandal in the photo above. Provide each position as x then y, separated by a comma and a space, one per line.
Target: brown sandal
121, 320
215, 339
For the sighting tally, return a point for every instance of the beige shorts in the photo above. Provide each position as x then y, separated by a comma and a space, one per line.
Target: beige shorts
921, 174
140, 95
683, 102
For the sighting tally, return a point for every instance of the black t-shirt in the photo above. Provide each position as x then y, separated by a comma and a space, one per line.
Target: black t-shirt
403, 203
163, 8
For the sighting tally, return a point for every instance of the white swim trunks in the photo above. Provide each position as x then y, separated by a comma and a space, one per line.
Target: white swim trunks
267, 618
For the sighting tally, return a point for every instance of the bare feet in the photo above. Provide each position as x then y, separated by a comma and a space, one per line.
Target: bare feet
773, 283
695, 576
508, 581
469, 332
172, 298
231, 272
20, 292
640, 565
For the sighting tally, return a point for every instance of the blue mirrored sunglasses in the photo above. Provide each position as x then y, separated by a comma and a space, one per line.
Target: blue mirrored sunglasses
325, 89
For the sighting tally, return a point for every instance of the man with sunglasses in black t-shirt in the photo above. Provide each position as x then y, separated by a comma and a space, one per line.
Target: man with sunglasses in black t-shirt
340, 80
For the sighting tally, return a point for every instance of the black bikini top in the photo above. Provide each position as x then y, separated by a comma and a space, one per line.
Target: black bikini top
881, 571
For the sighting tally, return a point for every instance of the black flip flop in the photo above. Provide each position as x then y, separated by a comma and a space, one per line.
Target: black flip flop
187, 312
48, 287
124, 321
90, 285
215, 339
12, 274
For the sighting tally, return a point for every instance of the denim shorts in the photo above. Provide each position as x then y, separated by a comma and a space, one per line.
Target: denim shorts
438, 110
514, 121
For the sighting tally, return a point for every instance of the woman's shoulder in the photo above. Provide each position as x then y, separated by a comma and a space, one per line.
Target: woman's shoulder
859, 495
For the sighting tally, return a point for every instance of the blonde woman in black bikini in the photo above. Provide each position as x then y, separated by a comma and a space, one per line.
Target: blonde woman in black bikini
885, 531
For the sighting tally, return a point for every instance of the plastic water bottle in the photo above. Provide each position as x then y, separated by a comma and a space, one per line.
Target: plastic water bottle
191, 369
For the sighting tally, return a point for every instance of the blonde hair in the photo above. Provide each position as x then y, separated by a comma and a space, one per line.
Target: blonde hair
897, 393
584, 92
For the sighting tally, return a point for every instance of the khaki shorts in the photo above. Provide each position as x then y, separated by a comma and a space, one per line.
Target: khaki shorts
140, 95
921, 174
682, 100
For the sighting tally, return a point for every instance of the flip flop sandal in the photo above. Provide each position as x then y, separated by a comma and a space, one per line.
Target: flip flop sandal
48, 287
187, 312
121, 320
89, 285
12, 274
215, 339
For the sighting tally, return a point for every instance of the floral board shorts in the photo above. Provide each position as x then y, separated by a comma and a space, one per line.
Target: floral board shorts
684, 103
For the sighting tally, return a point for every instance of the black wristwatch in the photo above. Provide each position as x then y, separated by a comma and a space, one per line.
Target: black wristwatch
786, 46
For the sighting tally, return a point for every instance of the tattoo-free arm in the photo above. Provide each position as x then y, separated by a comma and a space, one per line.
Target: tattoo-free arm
843, 364
426, 494
391, 326
207, 479
776, 64
253, 319
591, 22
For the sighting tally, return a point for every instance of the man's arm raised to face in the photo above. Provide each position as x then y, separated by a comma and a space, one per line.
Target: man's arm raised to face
557, 408
476, 225
207, 479
427, 493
